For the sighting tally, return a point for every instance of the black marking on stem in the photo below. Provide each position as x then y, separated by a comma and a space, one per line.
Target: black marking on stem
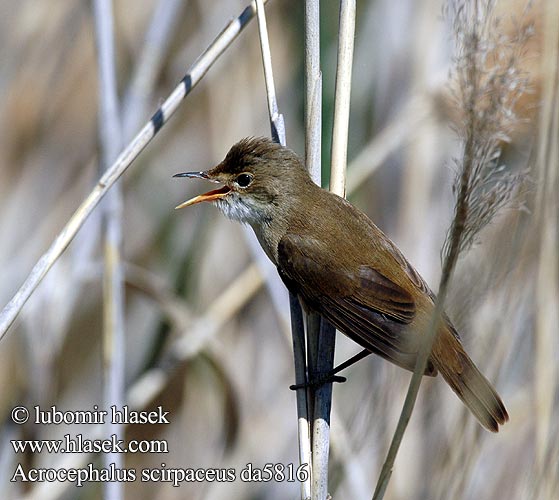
157, 120
246, 16
187, 80
275, 133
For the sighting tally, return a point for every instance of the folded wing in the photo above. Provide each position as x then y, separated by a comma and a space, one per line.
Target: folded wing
361, 302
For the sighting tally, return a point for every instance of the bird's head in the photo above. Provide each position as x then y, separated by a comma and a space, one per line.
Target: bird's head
258, 178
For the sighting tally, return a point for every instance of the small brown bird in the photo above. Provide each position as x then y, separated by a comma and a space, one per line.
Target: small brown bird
342, 266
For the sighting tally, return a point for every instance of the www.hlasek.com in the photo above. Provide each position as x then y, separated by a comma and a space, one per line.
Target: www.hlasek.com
79, 444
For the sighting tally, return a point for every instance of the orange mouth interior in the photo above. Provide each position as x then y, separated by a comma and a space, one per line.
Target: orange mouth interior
216, 194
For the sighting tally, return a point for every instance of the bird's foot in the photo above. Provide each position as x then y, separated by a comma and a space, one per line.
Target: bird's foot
318, 381
331, 377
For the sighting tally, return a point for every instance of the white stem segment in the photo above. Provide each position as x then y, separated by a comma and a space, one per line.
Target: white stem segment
340, 130
313, 91
276, 119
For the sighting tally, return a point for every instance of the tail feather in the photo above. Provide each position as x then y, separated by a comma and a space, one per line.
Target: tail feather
462, 375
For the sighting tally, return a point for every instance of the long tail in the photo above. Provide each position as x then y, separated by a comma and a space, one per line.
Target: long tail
467, 382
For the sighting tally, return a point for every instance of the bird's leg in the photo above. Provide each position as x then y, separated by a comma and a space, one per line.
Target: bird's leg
330, 377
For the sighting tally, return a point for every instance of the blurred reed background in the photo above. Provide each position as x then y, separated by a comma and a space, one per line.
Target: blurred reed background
207, 328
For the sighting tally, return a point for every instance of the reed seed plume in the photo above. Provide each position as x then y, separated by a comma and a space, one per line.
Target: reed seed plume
487, 87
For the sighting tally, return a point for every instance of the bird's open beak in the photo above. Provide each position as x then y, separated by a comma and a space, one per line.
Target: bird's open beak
209, 196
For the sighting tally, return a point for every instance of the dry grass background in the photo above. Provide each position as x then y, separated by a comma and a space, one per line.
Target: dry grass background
229, 400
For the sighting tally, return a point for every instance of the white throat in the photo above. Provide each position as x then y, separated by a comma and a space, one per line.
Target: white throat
239, 208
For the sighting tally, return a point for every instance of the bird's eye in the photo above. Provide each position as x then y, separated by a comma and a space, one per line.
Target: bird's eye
243, 180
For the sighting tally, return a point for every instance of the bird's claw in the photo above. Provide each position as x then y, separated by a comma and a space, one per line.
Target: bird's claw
319, 381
